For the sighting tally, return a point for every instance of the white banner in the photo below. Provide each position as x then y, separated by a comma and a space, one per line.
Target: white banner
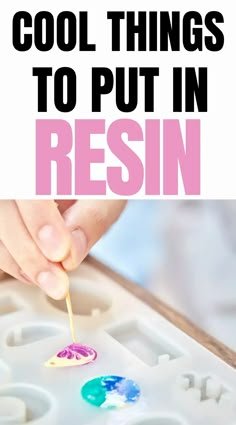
117, 99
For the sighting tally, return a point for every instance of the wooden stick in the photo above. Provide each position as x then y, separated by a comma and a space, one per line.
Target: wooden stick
71, 317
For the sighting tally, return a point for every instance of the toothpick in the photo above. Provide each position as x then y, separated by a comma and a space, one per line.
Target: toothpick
71, 317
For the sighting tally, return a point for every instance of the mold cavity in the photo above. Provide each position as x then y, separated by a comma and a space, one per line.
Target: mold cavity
85, 300
156, 420
8, 305
208, 388
20, 404
12, 411
144, 342
30, 333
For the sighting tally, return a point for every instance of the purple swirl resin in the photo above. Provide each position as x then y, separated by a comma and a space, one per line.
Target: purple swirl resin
72, 355
77, 351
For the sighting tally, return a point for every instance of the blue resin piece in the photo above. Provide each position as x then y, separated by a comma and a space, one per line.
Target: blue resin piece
111, 392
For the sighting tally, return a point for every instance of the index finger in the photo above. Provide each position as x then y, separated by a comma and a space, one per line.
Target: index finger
46, 227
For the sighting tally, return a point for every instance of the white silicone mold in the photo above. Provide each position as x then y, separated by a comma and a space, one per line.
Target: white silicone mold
181, 382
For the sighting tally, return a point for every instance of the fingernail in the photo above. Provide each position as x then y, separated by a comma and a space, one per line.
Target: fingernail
53, 246
54, 282
78, 251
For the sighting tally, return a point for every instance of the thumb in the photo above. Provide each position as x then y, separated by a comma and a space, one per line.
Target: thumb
88, 220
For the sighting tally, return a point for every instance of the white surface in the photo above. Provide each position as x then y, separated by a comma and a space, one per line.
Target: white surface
181, 382
19, 94
13, 411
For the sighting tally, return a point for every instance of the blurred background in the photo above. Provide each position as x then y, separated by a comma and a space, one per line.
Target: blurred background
185, 253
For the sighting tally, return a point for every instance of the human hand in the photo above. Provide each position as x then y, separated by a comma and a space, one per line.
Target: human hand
88, 220
35, 239
33, 242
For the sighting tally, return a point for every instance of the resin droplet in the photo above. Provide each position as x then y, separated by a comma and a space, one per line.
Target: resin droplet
111, 392
72, 355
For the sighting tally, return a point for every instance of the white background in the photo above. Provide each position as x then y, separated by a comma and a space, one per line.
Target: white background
18, 91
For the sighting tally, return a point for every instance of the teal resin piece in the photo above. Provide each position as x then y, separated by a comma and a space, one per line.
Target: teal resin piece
111, 392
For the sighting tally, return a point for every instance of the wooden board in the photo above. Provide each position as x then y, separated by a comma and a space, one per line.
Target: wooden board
216, 347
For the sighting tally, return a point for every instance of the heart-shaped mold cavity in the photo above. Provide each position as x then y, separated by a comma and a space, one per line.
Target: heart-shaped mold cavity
22, 404
86, 299
29, 333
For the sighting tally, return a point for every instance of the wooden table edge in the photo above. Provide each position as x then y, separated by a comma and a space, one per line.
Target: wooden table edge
184, 324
